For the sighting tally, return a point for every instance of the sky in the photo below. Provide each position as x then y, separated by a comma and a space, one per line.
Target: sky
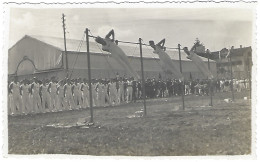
216, 28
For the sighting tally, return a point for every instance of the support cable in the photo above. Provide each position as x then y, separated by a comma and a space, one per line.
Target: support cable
78, 50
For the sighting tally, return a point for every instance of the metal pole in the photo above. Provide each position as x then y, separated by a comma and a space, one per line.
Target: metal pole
142, 70
65, 46
183, 86
249, 75
231, 73
208, 60
210, 82
89, 77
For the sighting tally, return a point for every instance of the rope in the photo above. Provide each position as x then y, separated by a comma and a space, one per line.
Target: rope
78, 50
102, 52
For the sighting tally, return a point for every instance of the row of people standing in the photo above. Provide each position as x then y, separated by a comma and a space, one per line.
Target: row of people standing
36, 96
40, 96
173, 87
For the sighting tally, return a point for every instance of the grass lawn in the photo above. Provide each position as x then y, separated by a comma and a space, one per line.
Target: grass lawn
224, 129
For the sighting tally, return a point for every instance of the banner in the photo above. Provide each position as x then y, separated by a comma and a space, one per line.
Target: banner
118, 54
199, 63
168, 64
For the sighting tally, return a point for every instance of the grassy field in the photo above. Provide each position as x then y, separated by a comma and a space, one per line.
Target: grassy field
224, 129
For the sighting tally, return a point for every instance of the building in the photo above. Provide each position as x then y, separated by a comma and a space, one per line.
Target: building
44, 57
241, 59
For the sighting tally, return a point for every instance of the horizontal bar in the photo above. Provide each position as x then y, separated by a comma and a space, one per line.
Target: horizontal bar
127, 42
135, 43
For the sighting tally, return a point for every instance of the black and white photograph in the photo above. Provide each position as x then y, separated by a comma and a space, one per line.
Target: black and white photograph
130, 81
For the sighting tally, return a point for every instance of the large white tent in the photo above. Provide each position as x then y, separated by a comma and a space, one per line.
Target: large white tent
45, 57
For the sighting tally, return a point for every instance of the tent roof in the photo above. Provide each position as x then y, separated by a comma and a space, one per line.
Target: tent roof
131, 50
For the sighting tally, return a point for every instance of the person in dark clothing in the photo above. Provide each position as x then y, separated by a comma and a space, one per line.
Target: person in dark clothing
175, 87
163, 89
169, 87
154, 88
180, 88
159, 89
147, 88
125, 86
218, 85
139, 86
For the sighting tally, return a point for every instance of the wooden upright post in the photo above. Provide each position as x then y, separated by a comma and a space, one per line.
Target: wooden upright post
249, 74
183, 85
142, 70
65, 46
210, 81
89, 77
231, 74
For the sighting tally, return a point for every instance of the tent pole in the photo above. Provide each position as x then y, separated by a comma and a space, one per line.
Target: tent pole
183, 86
142, 70
89, 77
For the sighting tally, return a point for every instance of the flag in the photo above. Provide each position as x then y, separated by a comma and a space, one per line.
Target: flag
200, 64
168, 65
118, 54
229, 51
228, 54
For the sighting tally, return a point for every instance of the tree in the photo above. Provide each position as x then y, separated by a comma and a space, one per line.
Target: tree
200, 48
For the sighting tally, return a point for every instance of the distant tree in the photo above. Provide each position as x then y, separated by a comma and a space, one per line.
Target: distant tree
200, 48
223, 53
197, 41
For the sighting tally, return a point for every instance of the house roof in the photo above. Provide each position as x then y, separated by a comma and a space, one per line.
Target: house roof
240, 51
131, 50
236, 52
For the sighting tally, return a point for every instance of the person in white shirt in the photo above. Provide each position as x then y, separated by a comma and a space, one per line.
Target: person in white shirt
10, 100
112, 91
129, 90
94, 92
17, 98
85, 93
102, 93
11, 109
107, 92
60, 93
36, 99
121, 91
45, 96
26, 97
66, 105
53, 95
77, 94
68, 94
